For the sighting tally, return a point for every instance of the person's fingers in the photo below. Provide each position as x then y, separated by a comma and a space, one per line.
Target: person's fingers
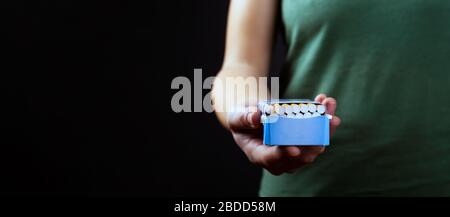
309, 158
267, 156
330, 104
244, 120
248, 144
291, 151
273, 158
254, 119
319, 98
312, 150
334, 123
264, 155
305, 158
307, 155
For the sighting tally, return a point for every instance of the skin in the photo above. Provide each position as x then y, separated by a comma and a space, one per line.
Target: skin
249, 41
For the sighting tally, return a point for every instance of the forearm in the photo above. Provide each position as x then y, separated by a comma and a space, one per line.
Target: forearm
223, 103
250, 33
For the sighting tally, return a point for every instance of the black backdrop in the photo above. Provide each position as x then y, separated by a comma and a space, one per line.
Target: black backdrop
86, 100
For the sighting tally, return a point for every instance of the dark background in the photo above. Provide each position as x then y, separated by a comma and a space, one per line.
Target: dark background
86, 100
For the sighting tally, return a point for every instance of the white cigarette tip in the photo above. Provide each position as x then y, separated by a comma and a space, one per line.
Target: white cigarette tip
303, 108
312, 108
263, 118
321, 109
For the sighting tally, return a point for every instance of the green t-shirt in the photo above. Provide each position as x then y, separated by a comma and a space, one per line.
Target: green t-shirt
388, 65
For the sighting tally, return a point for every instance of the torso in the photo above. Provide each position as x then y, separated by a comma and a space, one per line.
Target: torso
386, 63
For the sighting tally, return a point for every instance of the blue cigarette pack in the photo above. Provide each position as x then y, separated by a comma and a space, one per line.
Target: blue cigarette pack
295, 122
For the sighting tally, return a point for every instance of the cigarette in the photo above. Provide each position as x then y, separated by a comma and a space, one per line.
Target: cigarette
263, 118
268, 109
303, 108
307, 115
299, 115
295, 108
263, 109
311, 108
315, 114
321, 109
287, 109
279, 109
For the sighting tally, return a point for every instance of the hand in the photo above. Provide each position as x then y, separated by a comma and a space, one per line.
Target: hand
246, 130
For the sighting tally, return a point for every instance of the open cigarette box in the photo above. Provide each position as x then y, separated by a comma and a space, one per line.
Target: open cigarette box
295, 122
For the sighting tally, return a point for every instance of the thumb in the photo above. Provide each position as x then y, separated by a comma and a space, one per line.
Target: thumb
244, 120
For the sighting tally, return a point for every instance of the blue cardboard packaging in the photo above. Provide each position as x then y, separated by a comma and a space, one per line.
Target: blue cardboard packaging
290, 130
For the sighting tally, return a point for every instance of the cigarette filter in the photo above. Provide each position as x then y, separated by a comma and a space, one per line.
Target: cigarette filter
279, 109
312, 108
299, 115
268, 109
263, 118
321, 109
307, 115
287, 109
303, 108
295, 108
